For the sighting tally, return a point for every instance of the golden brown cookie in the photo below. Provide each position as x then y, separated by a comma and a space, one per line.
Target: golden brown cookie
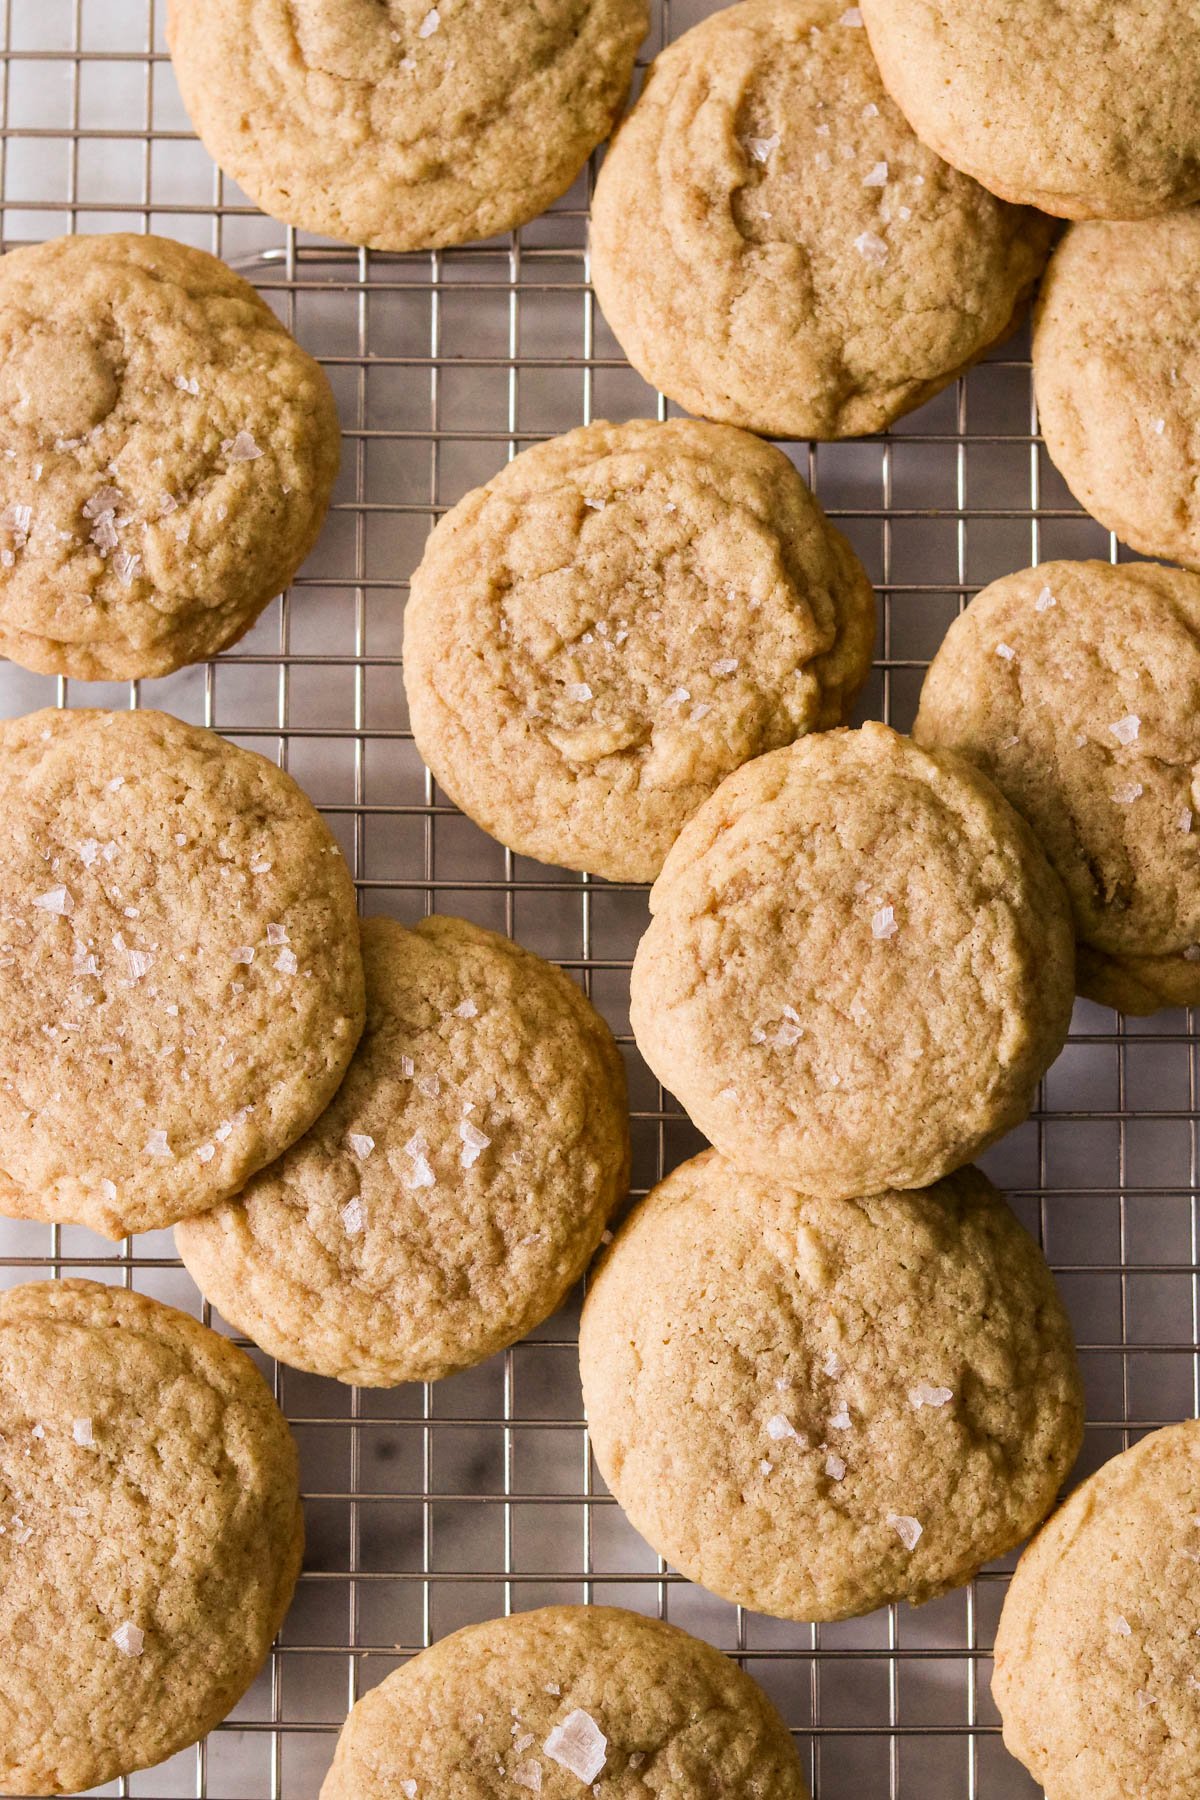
563, 1702
1085, 108
166, 456
1116, 368
452, 1194
814, 1407
618, 619
1076, 688
398, 123
773, 247
1097, 1672
181, 986
151, 1535
859, 965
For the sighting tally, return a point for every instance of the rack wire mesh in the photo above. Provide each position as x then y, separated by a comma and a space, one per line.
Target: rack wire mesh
429, 1507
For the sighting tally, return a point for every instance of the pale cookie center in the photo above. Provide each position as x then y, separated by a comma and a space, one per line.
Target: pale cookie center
60, 382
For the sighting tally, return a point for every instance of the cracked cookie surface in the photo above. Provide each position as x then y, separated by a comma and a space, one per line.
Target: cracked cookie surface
403, 124
1116, 369
773, 247
453, 1192
551, 1701
1084, 108
153, 1534
181, 986
168, 456
1096, 1651
1076, 688
814, 1407
859, 965
618, 619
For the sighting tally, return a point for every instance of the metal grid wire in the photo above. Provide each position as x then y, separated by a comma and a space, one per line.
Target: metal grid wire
431, 1507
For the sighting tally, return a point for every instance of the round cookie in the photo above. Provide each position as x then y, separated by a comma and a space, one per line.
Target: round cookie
859, 965
152, 1532
814, 1407
773, 247
404, 125
1084, 108
562, 1702
1097, 1674
1116, 368
167, 453
618, 619
181, 987
453, 1192
1076, 688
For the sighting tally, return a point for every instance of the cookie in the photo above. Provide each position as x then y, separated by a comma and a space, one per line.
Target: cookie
859, 965
167, 453
560, 1702
181, 987
404, 125
774, 248
453, 1193
1097, 1673
1076, 688
152, 1532
815, 1407
618, 619
1116, 369
1085, 110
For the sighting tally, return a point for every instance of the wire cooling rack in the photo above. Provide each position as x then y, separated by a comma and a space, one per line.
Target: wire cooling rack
430, 1507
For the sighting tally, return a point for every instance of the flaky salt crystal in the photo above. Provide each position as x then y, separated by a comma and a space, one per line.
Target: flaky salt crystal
678, 696
39, 1432
1005, 652
871, 248
360, 1143
1044, 601
429, 1085
1122, 1626
578, 1744
1127, 793
429, 23
157, 1145
760, 148
240, 448
407, 1067
55, 900
852, 17
81, 1431
108, 1189
104, 500
877, 177
835, 1468
725, 665
244, 954
925, 1395
276, 934
883, 923
1125, 730
286, 962
907, 1529
832, 1364
353, 1218
206, 1152
468, 1010
259, 865
129, 1640
87, 852
186, 385
125, 566
840, 1421
422, 1174
578, 691
779, 1428
1185, 819
528, 1775
1158, 426
475, 1142
409, 1790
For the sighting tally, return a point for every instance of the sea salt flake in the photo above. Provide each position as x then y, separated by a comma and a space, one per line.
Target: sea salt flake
779, 1428
877, 177
1185, 820
422, 1175
157, 1145
724, 666
1192, 953
766, 1466
552, 1687
1005, 652
871, 248
679, 696
409, 1790
360, 1143
186, 385
88, 852
579, 1745
467, 1010
1127, 793
240, 448
883, 923
17, 519
852, 17
55, 900
353, 1219
925, 1395
129, 1640
840, 1420
835, 1468
578, 691
206, 1152
1125, 730
429, 23
104, 500
244, 954
869, 111
223, 1131
407, 1066
596, 505
760, 148
108, 1189
907, 1529
286, 962
475, 1142
1122, 1626
81, 1431
528, 1775
1044, 601
276, 934
259, 865
125, 565
1158, 426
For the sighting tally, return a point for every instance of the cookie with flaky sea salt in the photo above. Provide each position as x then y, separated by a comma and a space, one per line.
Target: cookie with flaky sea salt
167, 453
859, 965
773, 247
814, 1407
181, 986
1097, 1673
618, 619
453, 1192
151, 1537
398, 123
1116, 368
563, 1702
1084, 108
1076, 688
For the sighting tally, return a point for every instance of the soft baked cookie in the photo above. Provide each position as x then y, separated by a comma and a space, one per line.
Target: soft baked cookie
181, 986
1116, 369
1076, 688
814, 1407
563, 1702
167, 453
399, 123
1097, 1672
617, 620
773, 247
152, 1532
453, 1192
859, 966
1085, 108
